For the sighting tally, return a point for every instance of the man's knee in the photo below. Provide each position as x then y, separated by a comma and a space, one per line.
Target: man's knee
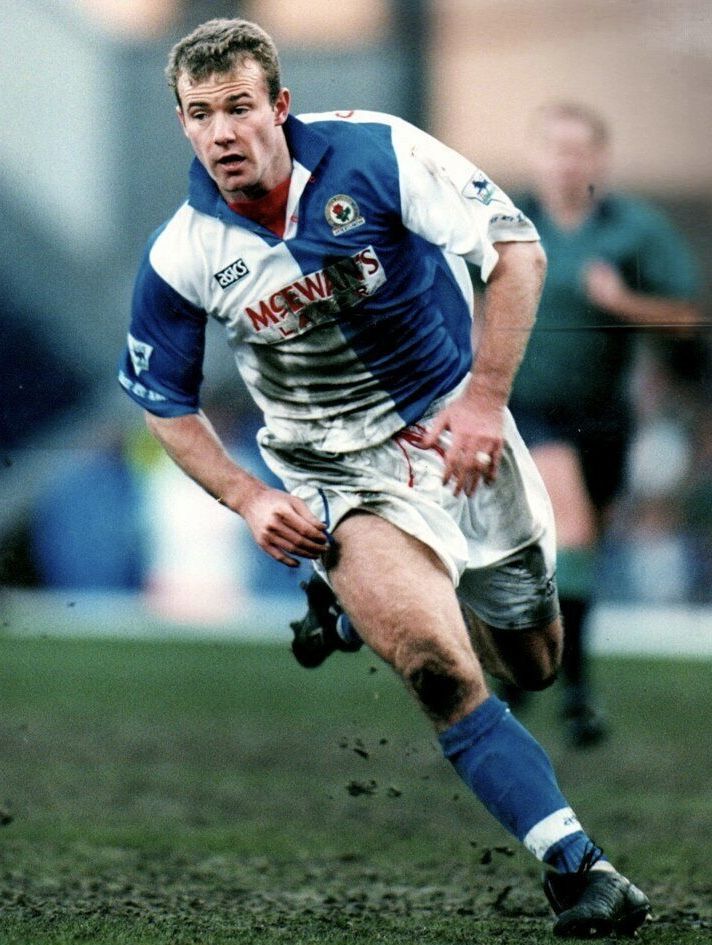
443, 683
532, 657
438, 688
533, 678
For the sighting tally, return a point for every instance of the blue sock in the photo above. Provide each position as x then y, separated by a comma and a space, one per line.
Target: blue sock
510, 773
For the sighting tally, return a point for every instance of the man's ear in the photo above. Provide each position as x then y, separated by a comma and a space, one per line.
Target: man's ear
181, 119
281, 106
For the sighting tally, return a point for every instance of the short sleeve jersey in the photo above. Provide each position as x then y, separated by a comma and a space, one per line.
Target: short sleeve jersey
578, 354
351, 324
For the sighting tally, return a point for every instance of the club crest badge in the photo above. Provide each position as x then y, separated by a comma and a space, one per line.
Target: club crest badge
140, 354
342, 214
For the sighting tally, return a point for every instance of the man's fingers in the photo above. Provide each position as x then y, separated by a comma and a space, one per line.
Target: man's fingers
279, 554
432, 433
492, 471
304, 516
469, 481
293, 535
296, 526
465, 468
285, 528
286, 542
301, 544
487, 464
463, 477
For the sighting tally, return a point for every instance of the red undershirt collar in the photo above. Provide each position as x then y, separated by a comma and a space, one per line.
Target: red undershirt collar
269, 211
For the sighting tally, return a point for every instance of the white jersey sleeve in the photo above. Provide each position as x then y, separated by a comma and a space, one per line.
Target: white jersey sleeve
452, 203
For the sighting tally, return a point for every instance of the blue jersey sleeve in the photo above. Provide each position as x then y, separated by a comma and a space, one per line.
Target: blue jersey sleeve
162, 365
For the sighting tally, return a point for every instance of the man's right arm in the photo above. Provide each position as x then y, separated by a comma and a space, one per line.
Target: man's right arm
281, 524
162, 371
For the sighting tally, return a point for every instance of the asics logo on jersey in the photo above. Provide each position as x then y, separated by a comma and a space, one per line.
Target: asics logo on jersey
232, 273
317, 297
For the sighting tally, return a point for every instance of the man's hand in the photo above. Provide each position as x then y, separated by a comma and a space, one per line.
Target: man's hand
605, 287
476, 440
282, 525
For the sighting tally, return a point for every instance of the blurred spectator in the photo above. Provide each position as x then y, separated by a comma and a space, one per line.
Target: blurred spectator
86, 528
615, 264
663, 530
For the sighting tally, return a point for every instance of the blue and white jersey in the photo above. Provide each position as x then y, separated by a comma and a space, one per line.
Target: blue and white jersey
349, 326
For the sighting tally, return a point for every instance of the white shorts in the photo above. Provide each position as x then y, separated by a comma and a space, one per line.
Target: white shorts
498, 545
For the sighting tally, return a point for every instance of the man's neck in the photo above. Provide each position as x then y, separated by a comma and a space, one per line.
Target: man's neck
569, 211
269, 210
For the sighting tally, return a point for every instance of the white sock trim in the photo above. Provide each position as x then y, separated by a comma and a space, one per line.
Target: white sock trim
550, 830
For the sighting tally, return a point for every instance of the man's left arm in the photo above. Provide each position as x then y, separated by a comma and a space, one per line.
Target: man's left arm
606, 288
475, 420
667, 280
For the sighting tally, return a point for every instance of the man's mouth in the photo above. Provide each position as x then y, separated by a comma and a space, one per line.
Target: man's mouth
231, 161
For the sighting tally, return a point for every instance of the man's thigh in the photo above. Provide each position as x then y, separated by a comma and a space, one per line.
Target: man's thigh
398, 593
528, 658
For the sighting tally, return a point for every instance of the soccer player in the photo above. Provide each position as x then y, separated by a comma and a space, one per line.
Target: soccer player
332, 248
614, 264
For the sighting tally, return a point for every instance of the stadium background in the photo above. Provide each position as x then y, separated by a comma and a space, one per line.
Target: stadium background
93, 161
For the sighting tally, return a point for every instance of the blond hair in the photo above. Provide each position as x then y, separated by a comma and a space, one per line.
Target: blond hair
216, 46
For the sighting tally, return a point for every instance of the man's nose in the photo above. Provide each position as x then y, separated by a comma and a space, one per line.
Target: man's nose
223, 128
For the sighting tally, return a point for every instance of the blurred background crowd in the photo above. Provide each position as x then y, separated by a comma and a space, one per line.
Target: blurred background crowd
93, 160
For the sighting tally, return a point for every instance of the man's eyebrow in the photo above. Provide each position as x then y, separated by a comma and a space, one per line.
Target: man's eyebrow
236, 96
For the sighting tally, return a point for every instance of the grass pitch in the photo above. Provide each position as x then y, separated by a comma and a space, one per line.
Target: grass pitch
215, 793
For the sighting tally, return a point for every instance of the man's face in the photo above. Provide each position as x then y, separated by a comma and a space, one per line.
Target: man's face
235, 131
566, 159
